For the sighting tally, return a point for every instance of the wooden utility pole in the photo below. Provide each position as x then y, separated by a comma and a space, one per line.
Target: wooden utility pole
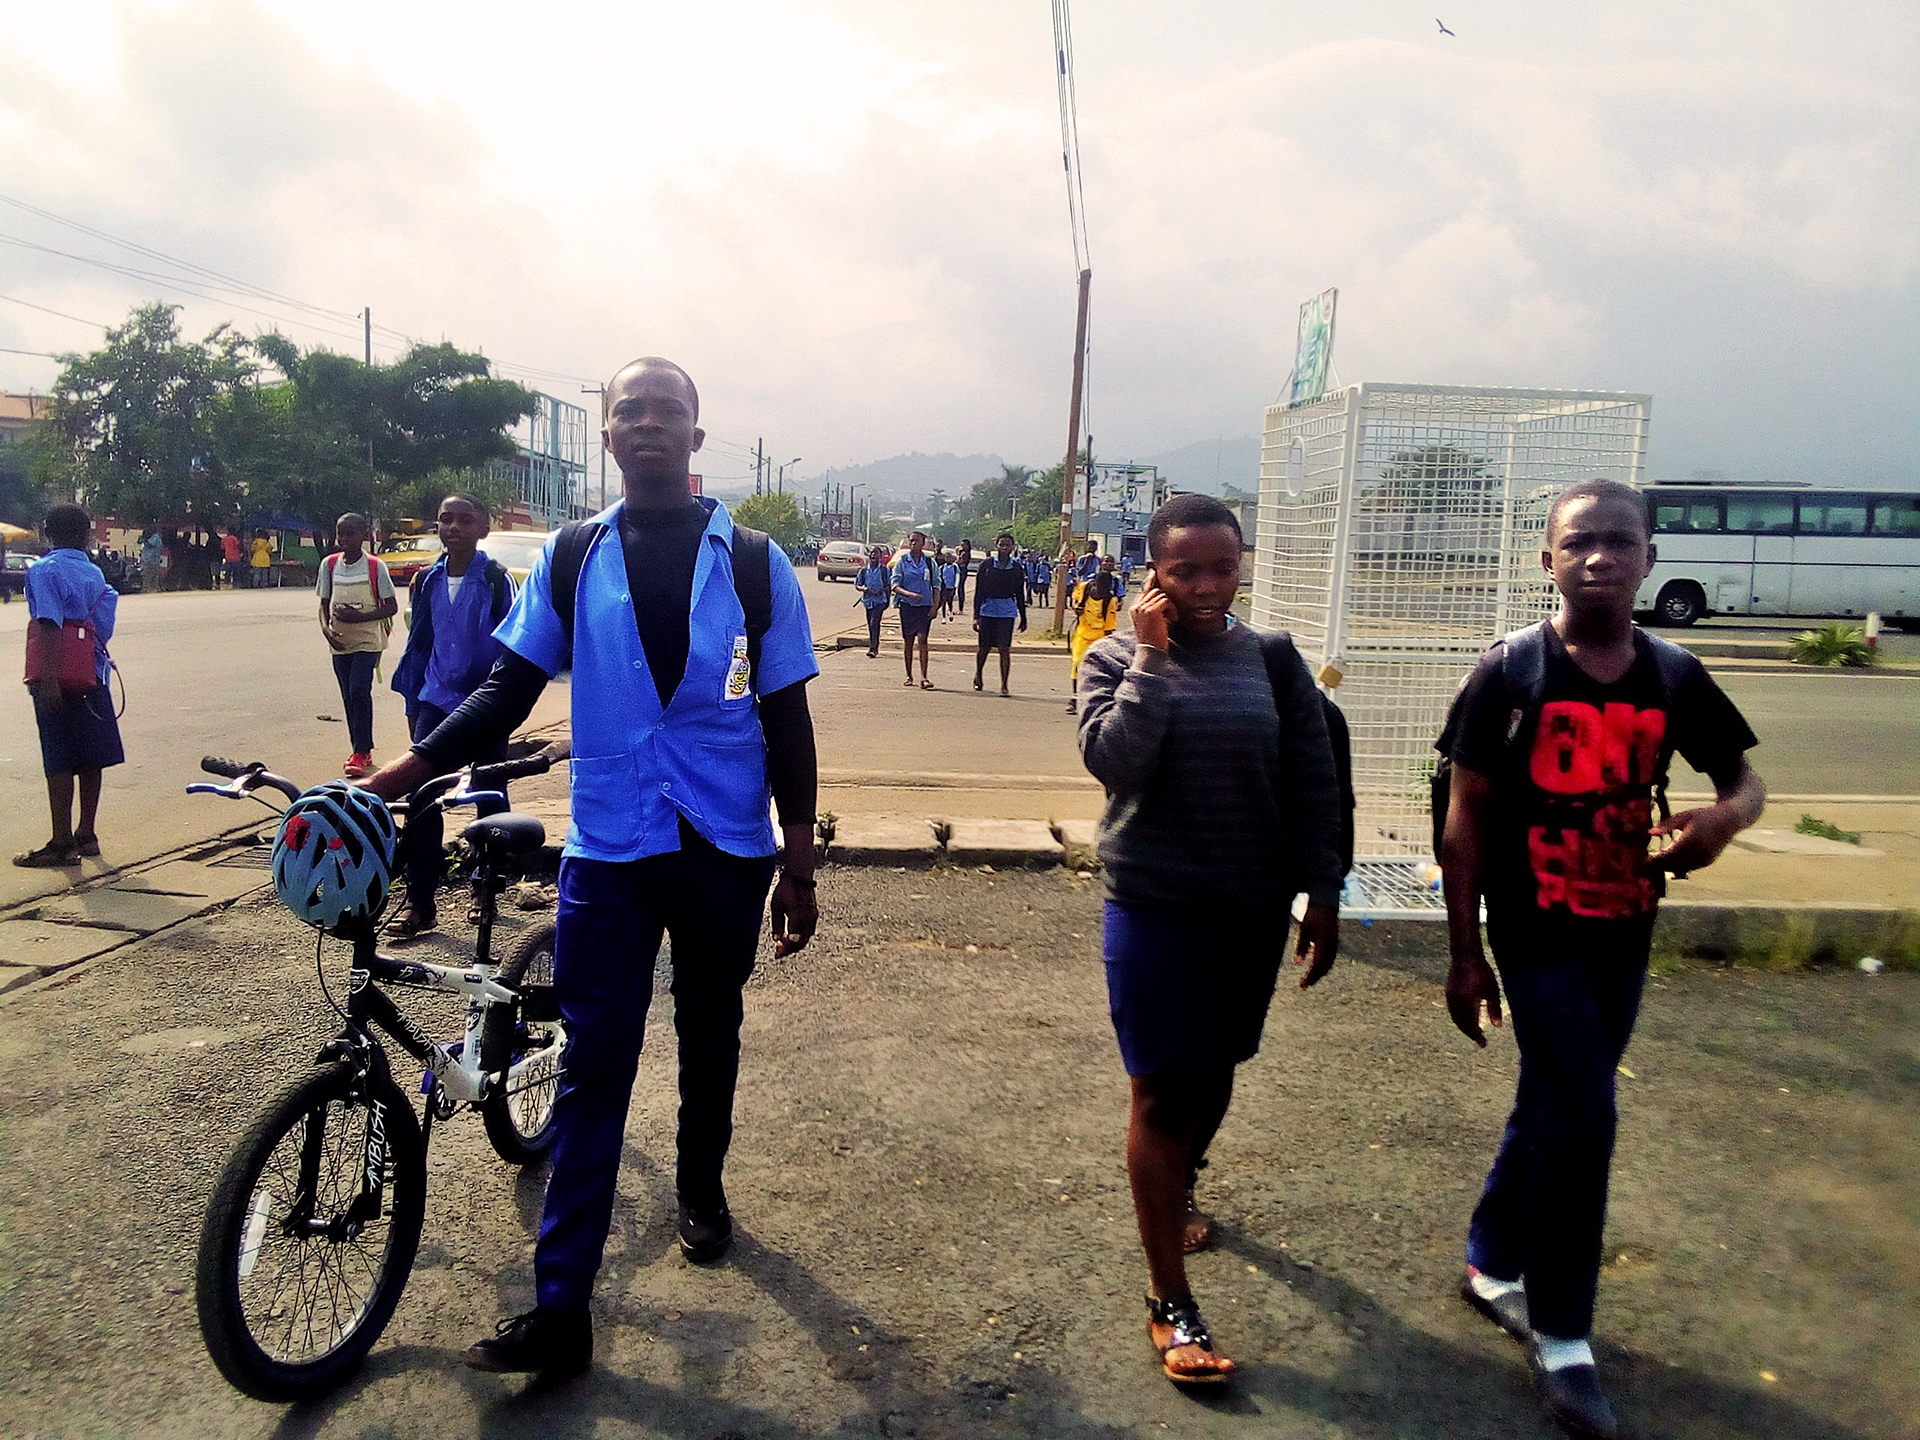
1071, 474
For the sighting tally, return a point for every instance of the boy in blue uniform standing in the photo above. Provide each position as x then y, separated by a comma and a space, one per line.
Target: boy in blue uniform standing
453, 610
1557, 742
79, 737
685, 721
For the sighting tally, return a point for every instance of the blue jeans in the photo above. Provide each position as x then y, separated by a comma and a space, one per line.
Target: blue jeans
1573, 1002
610, 922
354, 671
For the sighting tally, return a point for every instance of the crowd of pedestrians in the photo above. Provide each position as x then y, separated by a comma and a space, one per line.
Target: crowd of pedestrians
690, 651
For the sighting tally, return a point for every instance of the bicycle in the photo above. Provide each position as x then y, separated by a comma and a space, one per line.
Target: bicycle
315, 1220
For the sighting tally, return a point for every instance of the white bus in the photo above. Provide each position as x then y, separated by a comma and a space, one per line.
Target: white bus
1734, 550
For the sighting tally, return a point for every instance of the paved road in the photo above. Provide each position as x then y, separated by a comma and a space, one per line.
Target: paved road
935, 1234
245, 672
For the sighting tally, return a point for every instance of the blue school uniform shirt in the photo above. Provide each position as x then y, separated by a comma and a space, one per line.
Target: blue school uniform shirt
65, 585
915, 577
464, 647
1005, 608
639, 767
876, 576
949, 577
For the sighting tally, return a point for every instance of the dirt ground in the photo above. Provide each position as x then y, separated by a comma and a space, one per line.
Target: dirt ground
936, 1234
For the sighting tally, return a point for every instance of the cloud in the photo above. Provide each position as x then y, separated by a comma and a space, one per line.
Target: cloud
849, 221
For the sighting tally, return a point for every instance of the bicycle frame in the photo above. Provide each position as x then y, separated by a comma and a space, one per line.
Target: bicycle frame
455, 1073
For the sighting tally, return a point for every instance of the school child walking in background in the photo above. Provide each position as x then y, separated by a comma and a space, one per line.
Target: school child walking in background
356, 605
1556, 745
875, 583
1096, 612
79, 736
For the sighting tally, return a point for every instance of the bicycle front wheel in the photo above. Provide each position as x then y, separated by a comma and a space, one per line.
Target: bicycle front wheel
524, 1041
297, 1278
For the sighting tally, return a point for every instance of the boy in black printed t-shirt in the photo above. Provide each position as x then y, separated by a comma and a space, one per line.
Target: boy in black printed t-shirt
1557, 742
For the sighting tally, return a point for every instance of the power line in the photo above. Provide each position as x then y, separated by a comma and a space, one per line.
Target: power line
205, 276
44, 354
45, 311
1070, 133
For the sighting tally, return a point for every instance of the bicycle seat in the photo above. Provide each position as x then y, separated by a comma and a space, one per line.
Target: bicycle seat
506, 833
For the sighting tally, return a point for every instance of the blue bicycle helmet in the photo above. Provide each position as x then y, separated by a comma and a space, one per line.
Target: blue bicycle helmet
333, 856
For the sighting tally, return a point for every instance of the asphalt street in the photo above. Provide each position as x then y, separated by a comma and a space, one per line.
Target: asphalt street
245, 674
935, 1239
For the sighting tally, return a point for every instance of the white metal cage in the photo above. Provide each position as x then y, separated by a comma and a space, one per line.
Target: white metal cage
1399, 536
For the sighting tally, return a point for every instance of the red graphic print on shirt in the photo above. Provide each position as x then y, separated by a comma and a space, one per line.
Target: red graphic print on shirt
1595, 765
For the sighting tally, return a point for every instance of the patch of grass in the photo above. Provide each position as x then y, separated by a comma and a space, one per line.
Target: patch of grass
1826, 830
1838, 644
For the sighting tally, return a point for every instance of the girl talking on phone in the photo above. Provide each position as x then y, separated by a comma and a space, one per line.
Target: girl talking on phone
1222, 804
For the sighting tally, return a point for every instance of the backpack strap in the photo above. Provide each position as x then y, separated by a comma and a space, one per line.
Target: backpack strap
1523, 667
752, 578
753, 584
1283, 673
570, 548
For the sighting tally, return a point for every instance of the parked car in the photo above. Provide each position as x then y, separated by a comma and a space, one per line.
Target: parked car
840, 560
516, 550
407, 555
13, 580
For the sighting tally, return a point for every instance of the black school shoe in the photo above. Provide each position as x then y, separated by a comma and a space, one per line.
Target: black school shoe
1574, 1399
706, 1232
1509, 1312
554, 1342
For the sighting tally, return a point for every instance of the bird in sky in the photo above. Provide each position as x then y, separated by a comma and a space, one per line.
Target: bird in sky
1443, 28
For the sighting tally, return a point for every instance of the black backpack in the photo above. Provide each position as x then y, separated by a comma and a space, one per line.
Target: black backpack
1277, 649
1523, 671
752, 579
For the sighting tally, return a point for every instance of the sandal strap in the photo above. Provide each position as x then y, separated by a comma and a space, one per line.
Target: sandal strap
1184, 1316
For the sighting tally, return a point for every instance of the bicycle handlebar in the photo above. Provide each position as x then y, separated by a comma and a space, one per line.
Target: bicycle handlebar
246, 779
488, 777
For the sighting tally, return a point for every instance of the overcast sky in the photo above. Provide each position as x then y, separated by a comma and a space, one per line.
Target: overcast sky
847, 218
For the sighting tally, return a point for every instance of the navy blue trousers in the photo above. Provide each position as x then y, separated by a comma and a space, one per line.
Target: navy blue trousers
354, 670
610, 923
1572, 1001
423, 842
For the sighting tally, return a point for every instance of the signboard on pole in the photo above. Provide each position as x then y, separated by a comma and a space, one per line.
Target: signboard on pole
836, 525
1313, 349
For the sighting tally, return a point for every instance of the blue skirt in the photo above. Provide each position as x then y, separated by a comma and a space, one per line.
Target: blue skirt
80, 734
1189, 988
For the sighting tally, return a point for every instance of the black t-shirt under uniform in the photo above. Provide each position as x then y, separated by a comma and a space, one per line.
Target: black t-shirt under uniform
1571, 802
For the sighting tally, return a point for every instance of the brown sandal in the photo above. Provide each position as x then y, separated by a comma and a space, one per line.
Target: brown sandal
1185, 1330
48, 857
413, 921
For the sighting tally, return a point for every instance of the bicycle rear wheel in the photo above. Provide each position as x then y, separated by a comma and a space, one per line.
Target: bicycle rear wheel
520, 1121
292, 1292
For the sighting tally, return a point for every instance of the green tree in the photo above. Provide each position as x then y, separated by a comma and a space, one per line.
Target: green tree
420, 499
132, 423
778, 515
436, 409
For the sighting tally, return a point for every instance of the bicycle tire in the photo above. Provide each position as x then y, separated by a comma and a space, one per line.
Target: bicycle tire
520, 1124
235, 1238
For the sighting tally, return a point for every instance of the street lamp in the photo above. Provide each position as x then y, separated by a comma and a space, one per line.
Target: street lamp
782, 481
853, 508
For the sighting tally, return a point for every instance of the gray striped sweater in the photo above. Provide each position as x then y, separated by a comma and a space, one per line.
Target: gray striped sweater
1210, 796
